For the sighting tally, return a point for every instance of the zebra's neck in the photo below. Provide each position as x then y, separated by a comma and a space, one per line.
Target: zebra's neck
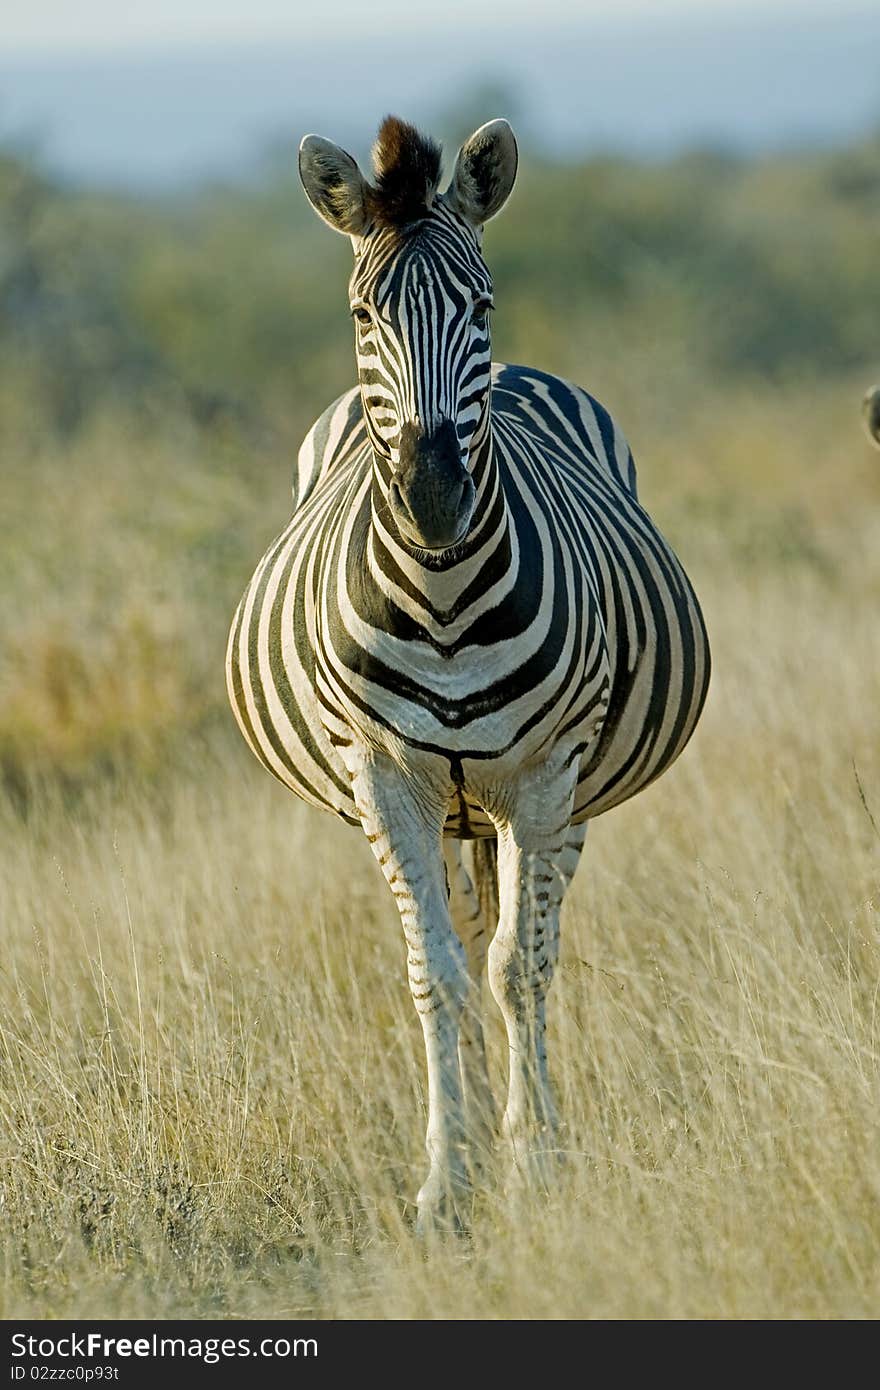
445, 583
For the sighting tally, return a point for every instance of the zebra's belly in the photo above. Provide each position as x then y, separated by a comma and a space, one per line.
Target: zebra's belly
629, 739
297, 720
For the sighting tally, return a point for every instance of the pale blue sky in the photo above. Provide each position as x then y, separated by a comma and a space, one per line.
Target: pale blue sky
84, 24
171, 92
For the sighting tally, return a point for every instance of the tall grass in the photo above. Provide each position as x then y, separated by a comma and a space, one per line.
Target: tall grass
211, 1081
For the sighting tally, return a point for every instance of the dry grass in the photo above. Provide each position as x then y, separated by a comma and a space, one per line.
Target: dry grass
211, 1091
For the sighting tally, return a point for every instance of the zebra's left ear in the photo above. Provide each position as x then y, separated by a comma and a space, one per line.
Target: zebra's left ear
484, 174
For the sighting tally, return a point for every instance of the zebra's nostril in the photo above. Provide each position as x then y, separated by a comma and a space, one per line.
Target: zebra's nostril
396, 497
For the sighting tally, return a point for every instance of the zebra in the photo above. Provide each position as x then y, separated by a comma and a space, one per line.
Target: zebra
469, 640
871, 413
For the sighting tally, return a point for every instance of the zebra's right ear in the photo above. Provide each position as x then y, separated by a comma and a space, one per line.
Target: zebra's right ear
334, 185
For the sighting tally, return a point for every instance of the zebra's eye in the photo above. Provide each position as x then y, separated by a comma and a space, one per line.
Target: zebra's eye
362, 316
480, 313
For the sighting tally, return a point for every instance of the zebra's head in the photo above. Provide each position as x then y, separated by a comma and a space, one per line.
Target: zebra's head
871, 409
420, 298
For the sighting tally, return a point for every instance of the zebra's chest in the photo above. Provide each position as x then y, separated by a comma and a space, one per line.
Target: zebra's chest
404, 693
491, 669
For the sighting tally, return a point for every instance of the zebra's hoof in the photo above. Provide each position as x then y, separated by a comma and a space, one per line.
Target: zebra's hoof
444, 1208
533, 1162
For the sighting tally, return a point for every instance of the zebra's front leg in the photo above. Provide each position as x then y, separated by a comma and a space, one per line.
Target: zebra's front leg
538, 852
473, 932
404, 824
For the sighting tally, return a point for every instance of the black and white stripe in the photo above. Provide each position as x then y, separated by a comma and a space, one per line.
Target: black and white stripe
563, 606
470, 628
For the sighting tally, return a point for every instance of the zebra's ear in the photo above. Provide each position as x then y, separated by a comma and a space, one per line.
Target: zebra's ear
334, 185
484, 174
871, 409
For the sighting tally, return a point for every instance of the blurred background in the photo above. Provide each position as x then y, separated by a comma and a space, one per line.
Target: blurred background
694, 238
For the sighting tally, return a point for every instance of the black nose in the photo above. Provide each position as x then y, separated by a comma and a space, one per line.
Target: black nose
431, 493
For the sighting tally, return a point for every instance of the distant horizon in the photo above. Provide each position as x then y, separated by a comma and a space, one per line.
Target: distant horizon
157, 117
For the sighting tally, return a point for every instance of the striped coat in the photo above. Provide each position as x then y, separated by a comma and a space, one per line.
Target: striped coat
470, 639
625, 648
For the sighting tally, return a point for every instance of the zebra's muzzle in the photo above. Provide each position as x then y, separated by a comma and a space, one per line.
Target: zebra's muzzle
431, 495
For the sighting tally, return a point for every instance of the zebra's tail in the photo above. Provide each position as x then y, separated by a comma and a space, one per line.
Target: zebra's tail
484, 861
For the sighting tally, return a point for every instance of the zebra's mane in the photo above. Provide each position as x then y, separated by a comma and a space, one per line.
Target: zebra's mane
406, 166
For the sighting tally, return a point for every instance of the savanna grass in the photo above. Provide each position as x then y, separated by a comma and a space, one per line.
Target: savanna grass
211, 1086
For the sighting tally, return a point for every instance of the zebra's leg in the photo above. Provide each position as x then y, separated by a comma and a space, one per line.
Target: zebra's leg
538, 852
565, 870
404, 825
473, 932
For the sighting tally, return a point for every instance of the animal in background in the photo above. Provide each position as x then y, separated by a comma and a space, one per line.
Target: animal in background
871, 411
